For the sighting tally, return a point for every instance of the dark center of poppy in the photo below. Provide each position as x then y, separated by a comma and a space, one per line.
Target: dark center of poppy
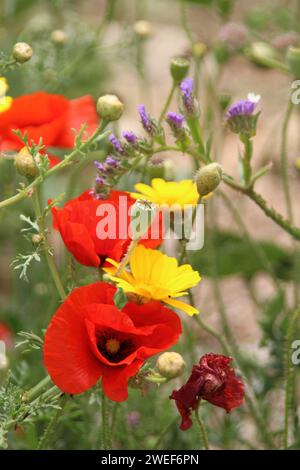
113, 346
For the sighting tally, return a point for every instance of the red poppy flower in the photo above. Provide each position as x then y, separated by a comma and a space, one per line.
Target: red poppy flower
212, 380
46, 116
79, 223
89, 338
6, 334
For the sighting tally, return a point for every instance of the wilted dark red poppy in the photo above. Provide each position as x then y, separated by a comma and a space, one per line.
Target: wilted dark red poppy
46, 116
6, 334
79, 222
213, 380
89, 338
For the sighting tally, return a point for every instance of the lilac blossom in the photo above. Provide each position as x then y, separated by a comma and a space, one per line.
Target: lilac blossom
116, 143
243, 107
175, 120
146, 122
100, 166
111, 161
130, 137
187, 87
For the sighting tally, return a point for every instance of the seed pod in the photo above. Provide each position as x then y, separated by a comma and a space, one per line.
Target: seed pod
22, 52
179, 68
208, 178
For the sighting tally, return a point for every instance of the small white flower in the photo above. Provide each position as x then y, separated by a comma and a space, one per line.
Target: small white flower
253, 98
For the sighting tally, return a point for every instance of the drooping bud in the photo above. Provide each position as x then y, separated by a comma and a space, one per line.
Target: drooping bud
179, 68
25, 163
3, 361
110, 108
293, 60
59, 37
143, 29
208, 178
22, 52
261, 53
170, 365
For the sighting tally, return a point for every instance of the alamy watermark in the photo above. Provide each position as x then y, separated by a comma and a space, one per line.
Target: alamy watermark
144, 220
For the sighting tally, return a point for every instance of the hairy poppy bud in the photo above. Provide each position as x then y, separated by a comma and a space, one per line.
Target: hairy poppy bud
261, 53
170, 365
59, 37
25, 164
142, 29
293, 59
208, 178
22, 52
179, 68
109, 107
3, 361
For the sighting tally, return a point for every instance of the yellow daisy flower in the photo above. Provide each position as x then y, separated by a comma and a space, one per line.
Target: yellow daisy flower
155, 276
168, 193
5, 101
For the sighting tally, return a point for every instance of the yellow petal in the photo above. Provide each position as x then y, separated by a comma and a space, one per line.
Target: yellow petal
186, 308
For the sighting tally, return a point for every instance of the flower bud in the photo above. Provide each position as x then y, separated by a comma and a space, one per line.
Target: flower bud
142, 29
293, 60
22, 52
179, 68
37, 239
262, 54
199, 49
59, 37
25, 164
109, 107
170, 365
208, 178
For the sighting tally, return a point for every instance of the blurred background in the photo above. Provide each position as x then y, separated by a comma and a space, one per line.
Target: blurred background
248, 264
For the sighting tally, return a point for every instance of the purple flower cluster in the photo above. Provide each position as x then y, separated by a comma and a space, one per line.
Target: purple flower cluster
145, 120
241, 108
175, 120
187, 89
130, 137
116, 144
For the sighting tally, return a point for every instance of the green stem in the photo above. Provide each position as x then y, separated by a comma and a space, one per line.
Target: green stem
35, 391
284, 162
46, 248
194, 126
262, 203
106, 438
27, 192
247, 170
44, 441
184, 21
289, 368
168, 102
201, 427
163, 433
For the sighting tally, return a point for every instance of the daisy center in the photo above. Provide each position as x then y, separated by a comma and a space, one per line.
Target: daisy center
112, 346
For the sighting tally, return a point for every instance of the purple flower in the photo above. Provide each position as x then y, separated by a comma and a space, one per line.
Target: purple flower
146, 122
100, 181
175, 120
133, 418
99, 166
116, 143
243, 107
111, 161
130, 137
187, 87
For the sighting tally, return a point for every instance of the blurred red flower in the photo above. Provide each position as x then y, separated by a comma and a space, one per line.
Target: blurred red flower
89, 338
47, 116
77, 222
6, 334
213, 380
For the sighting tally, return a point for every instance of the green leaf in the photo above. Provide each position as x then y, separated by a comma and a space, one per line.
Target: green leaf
120, 298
